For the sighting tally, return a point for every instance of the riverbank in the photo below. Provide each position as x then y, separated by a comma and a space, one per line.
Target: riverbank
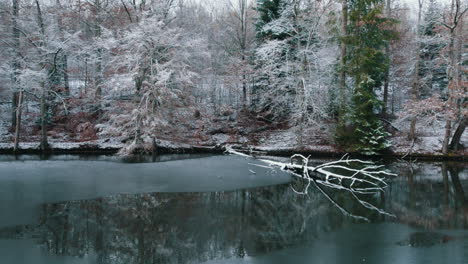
100, 147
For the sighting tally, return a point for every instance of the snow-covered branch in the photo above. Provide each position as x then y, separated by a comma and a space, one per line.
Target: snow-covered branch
357, 177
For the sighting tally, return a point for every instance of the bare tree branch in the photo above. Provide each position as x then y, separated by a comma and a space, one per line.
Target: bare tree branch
363, 179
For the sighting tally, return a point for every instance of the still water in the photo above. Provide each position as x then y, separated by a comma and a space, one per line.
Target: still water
219, 209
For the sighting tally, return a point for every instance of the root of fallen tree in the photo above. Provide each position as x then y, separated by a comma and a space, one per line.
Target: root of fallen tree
357, 177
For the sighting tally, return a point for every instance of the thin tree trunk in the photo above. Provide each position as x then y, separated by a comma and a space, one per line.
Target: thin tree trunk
44, 145
98, 64
344, 30
415, 84
18, 121
127, 11
86, 77
65, 74
387, 71
40, 21
451, 86
243, 47
98, 77
137, 98
16, 64
64, 58
412, 130
448, 131
14, 106
415, 96
244, 86
385, 88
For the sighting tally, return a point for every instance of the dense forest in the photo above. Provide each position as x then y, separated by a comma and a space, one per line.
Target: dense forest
365, 76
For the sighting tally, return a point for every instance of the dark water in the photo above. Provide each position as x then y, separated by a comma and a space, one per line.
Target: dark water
218, 209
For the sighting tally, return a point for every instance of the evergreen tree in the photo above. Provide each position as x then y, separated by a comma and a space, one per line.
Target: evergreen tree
433, 70
268, 11
366, 63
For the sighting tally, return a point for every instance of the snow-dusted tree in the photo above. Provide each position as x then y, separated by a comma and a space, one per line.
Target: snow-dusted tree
275, 59
368, 33
456, 89
293, 61
432, 70
314, 74
429, 69
240, 37
149, 62
40, 43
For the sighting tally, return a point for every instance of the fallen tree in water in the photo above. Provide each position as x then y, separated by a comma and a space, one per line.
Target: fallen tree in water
357, 177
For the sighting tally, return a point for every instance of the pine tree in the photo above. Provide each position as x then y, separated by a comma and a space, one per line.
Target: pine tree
268, 11
368, 33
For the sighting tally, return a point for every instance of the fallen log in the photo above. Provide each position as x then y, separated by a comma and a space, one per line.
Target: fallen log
357, 177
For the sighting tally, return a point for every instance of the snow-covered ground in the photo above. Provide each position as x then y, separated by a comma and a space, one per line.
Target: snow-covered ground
99, 144
429, 138
313, 139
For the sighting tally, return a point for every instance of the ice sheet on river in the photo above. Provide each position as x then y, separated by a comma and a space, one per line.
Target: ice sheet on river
26, 184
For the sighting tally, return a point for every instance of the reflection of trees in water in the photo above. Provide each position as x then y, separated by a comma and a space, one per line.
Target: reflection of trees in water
181, 227
431, 196
196, 227
280, 218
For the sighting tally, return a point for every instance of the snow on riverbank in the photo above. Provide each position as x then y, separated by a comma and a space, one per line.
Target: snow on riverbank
95, 144
314, 140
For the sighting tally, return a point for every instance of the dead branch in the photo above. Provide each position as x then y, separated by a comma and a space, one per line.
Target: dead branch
355, 176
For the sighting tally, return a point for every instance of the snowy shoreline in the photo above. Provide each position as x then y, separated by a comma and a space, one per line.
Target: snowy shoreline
100, 147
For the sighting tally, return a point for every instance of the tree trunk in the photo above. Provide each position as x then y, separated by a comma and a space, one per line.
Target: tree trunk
243, 47
40, 21
385, 88
244, 85
86, 78
387, 71
415, 85
16, 64
98, 64
451, 85
44, 145
412, 131
455, 143
64, 58
18, 121
14, 106
65, 74
448, 131
344, 25
98, 77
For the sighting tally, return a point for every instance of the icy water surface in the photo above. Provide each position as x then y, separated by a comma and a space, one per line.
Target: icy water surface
219, 209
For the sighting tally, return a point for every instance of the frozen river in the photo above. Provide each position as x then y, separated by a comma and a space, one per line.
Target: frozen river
218, 209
